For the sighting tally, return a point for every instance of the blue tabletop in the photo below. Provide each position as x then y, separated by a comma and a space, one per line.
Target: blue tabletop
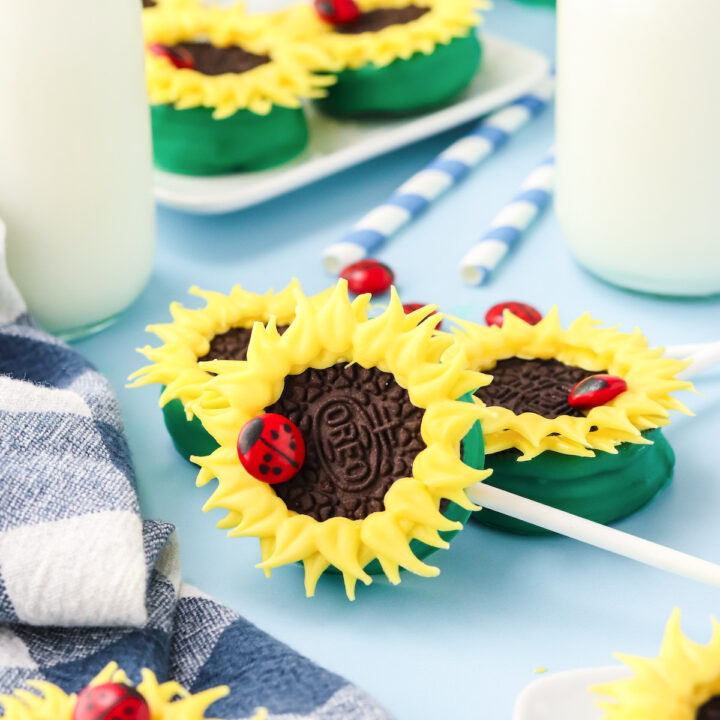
461, 645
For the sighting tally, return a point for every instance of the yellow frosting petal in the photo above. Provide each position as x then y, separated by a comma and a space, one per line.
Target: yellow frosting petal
672, 686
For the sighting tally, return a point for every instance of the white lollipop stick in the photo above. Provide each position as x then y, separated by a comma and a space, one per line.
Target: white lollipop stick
685, 352
703, 356
593, 533
704, 360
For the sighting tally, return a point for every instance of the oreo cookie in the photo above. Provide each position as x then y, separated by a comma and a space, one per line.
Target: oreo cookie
212, 60
232, 345
375, 20
361, 434
533, 386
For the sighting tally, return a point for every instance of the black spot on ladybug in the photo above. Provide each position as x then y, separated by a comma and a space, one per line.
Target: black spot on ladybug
267, 457
292, 444
250, 434
592, 384
286, 428
277, 470
264, 469
274, 434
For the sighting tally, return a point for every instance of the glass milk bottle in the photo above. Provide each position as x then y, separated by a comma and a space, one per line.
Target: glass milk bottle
75, 158
638, 141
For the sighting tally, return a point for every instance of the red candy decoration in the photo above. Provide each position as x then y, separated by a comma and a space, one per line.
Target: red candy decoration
368, 276
495, 315
178, 56
337, 12
596, 390
412, 307
111, 701
271, 448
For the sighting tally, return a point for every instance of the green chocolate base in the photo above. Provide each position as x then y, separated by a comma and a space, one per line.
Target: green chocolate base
407, 86
192, 142
188, 436
605, 488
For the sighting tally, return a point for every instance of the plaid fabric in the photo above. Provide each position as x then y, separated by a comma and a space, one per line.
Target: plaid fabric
84, 581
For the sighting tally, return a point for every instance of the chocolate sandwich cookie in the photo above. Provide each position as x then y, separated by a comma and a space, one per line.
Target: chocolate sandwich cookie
601, 460
233, 344
533, 386
361, 434
345, 443
219, 331
604, 488
225, 91
396, 60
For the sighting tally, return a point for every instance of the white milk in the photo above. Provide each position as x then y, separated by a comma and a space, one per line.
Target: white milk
638, 141
75, 158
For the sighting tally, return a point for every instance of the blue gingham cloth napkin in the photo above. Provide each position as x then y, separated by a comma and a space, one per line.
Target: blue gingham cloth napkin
84, 581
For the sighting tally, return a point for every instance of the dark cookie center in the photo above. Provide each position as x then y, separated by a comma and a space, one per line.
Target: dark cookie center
232, 345
361, 434
375, 20
149, 3
709, 710
212, 60
535, 386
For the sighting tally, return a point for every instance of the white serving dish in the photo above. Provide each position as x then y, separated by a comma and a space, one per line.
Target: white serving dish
508, 71
565, 695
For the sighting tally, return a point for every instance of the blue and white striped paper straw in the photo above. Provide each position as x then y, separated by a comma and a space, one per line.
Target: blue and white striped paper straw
426, 186
509, 225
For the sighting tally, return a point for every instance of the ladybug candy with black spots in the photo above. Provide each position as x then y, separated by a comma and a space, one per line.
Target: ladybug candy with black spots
596, 390
111, 701
337, 12
496, 314
271, 448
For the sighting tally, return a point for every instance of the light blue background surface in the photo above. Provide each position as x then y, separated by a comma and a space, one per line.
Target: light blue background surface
464, 644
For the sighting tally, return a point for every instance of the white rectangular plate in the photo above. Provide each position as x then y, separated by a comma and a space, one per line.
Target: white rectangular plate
507, 72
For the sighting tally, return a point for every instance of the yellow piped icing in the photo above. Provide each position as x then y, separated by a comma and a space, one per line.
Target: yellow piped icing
444, 21
175, 363
167, 701
671, 686
323, 334
644, 406
283, 81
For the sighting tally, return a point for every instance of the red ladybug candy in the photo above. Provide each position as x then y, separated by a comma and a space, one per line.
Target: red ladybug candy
337, 12
368, 276
178, 56
111, 701
271, 448
596, 390
495, 315
412, 307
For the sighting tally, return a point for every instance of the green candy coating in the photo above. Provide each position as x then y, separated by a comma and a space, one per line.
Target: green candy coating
188, 436
605, 488
405, 86
192, 142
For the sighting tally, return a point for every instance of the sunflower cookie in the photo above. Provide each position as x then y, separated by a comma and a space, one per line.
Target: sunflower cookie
682, 683
110, 695
396, 56
391, 440
601, 461
219, 331
225, 90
